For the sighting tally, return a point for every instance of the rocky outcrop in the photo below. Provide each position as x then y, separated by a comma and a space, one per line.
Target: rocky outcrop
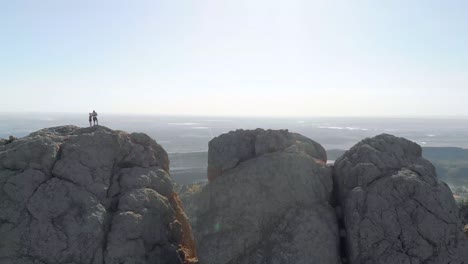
268, 201
230, 149
395, 209
92, 195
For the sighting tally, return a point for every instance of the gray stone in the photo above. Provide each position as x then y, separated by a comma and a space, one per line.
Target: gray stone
270, 204
92, 195
230, 149
395, 209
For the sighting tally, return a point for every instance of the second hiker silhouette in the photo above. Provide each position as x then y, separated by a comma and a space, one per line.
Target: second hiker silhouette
95, 119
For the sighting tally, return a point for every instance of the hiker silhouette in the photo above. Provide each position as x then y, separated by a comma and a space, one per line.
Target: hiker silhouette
95, 119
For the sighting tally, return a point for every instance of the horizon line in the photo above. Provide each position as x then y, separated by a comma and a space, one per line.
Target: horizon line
241, 116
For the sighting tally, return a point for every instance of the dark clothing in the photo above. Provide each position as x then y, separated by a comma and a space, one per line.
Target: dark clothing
95, 120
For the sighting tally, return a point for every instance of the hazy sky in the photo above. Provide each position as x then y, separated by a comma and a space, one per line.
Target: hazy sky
239, 57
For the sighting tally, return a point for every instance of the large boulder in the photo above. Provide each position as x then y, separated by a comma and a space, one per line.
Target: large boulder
395, 209
230, 149
268, 201
92, 195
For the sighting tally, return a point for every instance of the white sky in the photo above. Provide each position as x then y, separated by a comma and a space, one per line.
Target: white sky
246, 58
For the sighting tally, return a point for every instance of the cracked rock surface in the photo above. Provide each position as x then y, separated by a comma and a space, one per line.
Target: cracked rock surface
230, 149
89, 195
268, 201
395, 209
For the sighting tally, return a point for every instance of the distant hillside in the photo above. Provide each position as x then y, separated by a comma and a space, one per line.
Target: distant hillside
445, 153
451, 164
334, 154
188, 168
188, 160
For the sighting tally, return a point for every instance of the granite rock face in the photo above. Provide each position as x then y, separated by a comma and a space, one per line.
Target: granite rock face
230, 149
395, 210
268, 201
92, 195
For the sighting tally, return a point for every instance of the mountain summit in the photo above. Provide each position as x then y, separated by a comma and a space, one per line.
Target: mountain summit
89, 195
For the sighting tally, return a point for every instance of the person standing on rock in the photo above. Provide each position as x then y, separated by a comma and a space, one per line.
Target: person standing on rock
90, 118
95, 120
